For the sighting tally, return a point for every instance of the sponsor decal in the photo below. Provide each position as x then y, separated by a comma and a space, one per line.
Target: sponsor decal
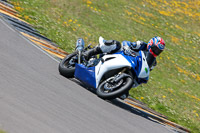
146, 70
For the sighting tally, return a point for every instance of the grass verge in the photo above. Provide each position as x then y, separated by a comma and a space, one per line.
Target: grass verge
1, 131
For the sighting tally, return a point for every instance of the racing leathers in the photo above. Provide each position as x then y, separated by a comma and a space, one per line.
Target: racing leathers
113, 46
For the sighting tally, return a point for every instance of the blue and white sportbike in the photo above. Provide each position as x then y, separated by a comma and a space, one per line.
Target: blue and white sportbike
111, 75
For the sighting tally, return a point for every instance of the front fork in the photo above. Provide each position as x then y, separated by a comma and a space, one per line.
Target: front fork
120, 75
123, 70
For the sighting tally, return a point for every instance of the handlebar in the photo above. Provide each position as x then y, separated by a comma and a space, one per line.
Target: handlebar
128, 51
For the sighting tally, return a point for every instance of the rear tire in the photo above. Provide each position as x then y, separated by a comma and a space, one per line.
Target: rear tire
67, 66
125, 85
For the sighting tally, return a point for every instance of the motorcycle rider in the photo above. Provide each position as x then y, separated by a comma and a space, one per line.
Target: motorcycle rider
151, 49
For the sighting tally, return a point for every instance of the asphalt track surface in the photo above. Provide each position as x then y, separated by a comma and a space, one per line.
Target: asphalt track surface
34, 98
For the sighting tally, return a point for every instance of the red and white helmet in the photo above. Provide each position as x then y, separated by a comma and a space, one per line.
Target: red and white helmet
156, 45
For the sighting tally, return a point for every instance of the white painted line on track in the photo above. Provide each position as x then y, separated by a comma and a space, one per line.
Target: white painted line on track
6, 24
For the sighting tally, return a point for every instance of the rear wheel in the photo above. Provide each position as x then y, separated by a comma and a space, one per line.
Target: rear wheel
67, 65
110, 89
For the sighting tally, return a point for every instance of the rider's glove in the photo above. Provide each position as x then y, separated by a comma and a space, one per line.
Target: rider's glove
136, 45
128, 51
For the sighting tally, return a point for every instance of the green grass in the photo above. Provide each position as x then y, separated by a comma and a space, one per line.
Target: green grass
1, 131
173, 88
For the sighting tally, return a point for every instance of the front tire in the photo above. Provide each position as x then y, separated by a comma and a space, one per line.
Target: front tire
108, 90
67, 66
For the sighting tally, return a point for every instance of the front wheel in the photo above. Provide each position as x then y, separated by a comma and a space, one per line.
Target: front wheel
110, 89
67, 65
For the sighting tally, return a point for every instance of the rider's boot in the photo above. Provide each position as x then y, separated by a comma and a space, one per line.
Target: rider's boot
89, 53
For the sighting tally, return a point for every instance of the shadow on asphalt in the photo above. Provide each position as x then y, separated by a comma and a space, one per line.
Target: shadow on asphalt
118, 103
130, 109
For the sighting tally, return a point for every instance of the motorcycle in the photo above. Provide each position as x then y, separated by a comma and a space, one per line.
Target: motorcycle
111, 75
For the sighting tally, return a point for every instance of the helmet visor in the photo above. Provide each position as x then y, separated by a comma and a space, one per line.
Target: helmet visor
156, 50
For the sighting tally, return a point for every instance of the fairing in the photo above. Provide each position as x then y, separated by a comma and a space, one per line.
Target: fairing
93, 75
